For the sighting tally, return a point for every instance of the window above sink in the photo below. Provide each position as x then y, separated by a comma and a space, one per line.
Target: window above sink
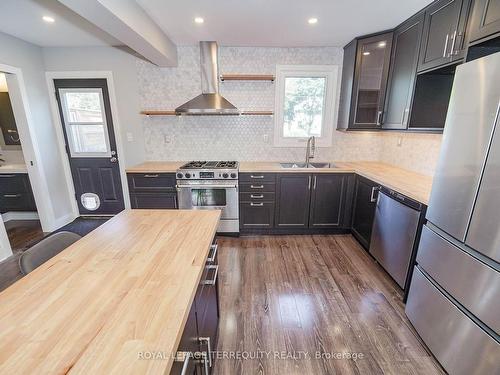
305, 104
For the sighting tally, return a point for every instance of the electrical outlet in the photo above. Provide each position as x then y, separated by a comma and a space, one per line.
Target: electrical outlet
130, 137
167, 139
265, 138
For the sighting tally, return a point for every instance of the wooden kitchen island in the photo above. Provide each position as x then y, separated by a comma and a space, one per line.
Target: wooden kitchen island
109, 301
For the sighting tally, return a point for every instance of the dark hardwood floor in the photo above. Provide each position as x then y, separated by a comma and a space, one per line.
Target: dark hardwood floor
307, 296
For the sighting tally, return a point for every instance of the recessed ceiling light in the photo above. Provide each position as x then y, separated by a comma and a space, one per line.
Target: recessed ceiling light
199, 20
312, 21
48, 19
366, 53
382, 44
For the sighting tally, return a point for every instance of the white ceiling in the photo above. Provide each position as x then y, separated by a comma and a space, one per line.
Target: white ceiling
277, 22
23, 19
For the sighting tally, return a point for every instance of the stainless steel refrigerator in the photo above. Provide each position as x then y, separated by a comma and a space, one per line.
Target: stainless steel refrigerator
454, 297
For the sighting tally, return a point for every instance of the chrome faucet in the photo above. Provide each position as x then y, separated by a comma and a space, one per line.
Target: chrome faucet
310, 149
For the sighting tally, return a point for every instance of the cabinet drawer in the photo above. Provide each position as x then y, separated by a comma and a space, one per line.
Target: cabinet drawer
16, 202
153, 200
14, 183
469, 281
257, 197
151, 181
257, 177
257, 187
256, 215
443, 326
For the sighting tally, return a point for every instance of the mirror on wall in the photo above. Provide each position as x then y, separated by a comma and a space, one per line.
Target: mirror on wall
9, 137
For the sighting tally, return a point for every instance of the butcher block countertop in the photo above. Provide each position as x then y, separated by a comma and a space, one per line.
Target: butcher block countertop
411, 184
124, 289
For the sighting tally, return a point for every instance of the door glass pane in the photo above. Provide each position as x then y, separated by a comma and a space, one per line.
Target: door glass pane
370, 82
208, 197
304, 106
87, 138
84, 107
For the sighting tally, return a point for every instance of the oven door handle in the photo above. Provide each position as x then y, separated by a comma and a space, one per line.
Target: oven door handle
206, 186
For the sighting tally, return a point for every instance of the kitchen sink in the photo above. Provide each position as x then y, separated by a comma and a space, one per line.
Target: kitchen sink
304, 165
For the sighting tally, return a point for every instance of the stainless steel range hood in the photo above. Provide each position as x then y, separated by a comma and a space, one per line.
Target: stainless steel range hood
210, 102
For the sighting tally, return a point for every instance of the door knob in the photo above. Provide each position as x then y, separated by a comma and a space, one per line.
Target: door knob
113, 159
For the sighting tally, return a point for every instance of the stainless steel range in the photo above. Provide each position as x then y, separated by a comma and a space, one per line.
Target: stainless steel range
211, 185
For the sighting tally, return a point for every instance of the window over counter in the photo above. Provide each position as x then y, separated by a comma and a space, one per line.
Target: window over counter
305, 104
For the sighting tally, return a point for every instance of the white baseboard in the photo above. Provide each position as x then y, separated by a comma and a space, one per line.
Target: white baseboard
12, 215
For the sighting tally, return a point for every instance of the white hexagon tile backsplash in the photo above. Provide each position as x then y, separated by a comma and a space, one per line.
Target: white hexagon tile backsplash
238, 137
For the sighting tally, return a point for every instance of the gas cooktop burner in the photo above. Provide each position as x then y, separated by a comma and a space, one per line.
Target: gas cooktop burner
210, 164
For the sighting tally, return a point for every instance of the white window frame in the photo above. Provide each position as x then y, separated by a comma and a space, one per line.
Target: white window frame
330, 72
68, 123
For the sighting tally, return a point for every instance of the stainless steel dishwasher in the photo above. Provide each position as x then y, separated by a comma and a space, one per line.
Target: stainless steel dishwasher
395, 228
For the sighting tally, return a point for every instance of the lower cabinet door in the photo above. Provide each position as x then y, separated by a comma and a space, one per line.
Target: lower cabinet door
365, 202
188, 347
256, 215
207, 315
292, 200
328, 200
153, 200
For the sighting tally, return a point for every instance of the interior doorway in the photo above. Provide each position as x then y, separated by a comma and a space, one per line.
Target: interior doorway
19, 213
90, 144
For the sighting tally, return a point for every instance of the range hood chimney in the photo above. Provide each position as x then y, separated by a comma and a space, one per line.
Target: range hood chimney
210, 102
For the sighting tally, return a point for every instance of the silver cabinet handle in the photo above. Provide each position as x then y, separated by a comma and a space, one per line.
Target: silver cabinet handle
7, 175
209, 349
309, 183
446, 45
214, 280
12, 195
314, 183
260, 196
372, 196
150, 175
256, 177
187, 358
214, 247
453, 38
257, 186
379, 117
256, 204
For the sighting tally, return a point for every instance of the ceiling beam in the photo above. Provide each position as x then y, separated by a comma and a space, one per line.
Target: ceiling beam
128, 22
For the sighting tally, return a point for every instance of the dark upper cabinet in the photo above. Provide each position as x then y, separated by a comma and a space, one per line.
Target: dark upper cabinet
329, 197
7, 121
365, 202
443, 39
293, 191
364, 81
402, 73
485, 19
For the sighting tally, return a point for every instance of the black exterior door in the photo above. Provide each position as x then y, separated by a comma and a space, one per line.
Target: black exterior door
85, 113
292, 203
403, 73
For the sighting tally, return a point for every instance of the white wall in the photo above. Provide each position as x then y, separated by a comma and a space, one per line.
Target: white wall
29, 59
122, 65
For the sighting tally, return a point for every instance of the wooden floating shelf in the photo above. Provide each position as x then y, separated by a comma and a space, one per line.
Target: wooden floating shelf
158, 113
247, 77
172, 113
